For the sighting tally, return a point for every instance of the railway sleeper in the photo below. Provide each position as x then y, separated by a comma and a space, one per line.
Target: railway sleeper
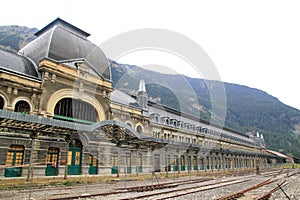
265, 197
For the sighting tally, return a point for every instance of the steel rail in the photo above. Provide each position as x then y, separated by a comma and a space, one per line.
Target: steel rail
229, 182
124, 191
242, 192
267, 195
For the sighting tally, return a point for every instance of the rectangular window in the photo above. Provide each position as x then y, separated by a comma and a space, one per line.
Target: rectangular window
9, 158
176, 162
52, 156
77, 158
15, 155
69, 157
140, 161
182, 160
114, 160
93, 161
127, 160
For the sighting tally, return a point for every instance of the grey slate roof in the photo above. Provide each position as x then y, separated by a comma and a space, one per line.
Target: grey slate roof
123, 98
61, 42
66, 25
17, 64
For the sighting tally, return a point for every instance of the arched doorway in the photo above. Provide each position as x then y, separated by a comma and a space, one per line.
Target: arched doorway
74, 157
76, 111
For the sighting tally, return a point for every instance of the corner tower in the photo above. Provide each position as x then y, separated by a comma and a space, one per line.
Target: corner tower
75, 74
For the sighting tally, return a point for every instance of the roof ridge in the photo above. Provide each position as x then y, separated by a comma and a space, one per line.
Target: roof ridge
64, 24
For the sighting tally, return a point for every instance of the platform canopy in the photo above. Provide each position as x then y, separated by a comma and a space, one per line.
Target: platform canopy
115, 131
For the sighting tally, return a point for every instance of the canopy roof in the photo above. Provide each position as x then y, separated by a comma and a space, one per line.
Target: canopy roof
116, 131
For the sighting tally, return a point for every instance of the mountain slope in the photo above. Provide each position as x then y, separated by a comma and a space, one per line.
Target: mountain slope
12, 38
247, 109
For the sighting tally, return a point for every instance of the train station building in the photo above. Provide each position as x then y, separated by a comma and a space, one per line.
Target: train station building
61, 116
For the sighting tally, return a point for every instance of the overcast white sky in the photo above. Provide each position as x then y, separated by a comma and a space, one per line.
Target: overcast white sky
254, 43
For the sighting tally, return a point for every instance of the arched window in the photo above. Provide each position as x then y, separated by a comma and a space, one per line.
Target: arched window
156, 119
22, 106
75, 110
139, 129
129, 124
1, 103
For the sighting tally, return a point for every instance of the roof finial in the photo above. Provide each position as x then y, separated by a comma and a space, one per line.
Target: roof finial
142, 86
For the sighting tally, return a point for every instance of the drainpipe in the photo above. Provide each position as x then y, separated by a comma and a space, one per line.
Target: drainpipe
166, 162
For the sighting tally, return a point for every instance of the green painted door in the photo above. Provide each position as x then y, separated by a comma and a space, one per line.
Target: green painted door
13, 172
140, 164
74, 161
182, 163
195, 163
52, 162
93, 165
14, 160
175, 168
189, 163
176, 163
114, 164
128, 164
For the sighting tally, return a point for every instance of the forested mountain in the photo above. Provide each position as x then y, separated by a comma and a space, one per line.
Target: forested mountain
12, 38
246, 109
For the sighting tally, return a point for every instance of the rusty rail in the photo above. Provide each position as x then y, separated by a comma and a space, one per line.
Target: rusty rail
162, 185
267, 195
136, 189
242, 192
195, 190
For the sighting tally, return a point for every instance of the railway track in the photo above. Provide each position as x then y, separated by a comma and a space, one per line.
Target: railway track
170, 193
242, 192
162, 185
193, 190
209, 188
265, 195
118, 191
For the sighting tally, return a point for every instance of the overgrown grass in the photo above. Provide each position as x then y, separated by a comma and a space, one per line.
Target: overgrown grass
290, 165
69, 183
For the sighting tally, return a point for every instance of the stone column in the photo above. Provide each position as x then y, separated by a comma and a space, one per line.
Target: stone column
33, 137
68, 140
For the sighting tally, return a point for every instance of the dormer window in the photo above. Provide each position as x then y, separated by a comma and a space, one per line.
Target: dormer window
156, 119
167, 121
174, 122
